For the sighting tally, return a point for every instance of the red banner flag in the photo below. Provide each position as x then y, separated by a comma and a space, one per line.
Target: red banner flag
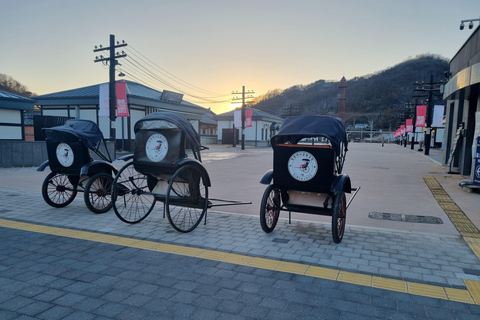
248, 118
421, 116
409, 125
122, 107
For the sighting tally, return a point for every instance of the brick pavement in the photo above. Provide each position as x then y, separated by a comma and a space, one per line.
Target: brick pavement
294, 272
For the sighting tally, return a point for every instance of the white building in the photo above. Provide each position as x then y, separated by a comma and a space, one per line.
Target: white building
12, 107
83, 103
264, 125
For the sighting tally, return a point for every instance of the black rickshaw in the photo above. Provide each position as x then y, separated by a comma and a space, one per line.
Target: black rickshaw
161, 170
74, 169
308, 156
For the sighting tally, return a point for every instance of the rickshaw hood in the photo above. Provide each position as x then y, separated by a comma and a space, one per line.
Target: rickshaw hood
298, 127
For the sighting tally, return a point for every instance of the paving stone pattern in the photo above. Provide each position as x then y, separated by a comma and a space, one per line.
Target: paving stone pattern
428, 258
50, 277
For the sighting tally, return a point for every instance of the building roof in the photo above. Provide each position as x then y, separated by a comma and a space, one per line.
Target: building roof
208, 117
13, 101
137, 94
256, 115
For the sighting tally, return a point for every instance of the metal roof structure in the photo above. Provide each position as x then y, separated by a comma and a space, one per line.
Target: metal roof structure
257, 115
13, 101
137, 94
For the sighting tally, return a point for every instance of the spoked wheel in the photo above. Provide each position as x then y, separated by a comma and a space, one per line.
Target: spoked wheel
131, 197
339, 217
186, 201
98, 193
270, 208
57, 189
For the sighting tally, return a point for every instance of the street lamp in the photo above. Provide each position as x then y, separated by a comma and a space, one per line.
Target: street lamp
470, 23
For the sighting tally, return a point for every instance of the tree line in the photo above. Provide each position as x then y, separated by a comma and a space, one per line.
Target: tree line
381, 97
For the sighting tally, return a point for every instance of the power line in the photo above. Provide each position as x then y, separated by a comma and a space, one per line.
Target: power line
173, 77
140, 68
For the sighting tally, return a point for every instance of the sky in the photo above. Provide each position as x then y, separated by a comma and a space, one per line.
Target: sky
207, 49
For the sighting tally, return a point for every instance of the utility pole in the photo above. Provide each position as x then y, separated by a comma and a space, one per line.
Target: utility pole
243, 113
112, 61
430, 88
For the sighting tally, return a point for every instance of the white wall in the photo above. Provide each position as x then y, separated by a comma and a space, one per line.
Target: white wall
253, 133
11, 116
11, 132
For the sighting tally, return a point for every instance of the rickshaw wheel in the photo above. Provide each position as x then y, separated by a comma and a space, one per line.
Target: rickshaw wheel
339, 217
98, 193
186, 201
131, 200
270, 208
57, 190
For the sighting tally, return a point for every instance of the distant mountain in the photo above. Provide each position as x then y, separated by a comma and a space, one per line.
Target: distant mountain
381, 97
8, 84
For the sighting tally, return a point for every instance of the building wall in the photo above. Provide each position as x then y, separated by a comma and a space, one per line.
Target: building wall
258, 135
11, 124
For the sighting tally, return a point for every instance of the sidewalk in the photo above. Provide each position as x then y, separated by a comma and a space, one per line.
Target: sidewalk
230, 268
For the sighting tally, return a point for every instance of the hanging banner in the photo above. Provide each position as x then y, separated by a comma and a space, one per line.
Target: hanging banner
248, 118
402, 129
103, 103
421, 116
237, 118
122, 107
438, 116
409, 125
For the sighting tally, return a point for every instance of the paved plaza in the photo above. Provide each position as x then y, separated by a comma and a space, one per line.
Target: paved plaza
411, 249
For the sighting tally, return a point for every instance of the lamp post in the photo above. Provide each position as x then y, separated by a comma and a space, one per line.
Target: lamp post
430, 88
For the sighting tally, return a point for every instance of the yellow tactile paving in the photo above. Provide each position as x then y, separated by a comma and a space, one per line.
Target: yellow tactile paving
213, 255
471, 295
324, 273
292, 267
461, 222
237, 259
263, 263
459, 295
426, 290
389, 284
474, 289
355, 278
188, 251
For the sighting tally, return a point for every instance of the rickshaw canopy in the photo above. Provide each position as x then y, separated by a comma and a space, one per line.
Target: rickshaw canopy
170, 120
85, 130
298, 127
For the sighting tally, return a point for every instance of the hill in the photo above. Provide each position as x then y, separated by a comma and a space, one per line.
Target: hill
381, 97
9, 84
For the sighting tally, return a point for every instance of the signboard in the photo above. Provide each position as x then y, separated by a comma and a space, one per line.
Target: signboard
421, 116
103, 102
122, 106
409, 126
237, 118
171, 96
438, 116
248, 118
